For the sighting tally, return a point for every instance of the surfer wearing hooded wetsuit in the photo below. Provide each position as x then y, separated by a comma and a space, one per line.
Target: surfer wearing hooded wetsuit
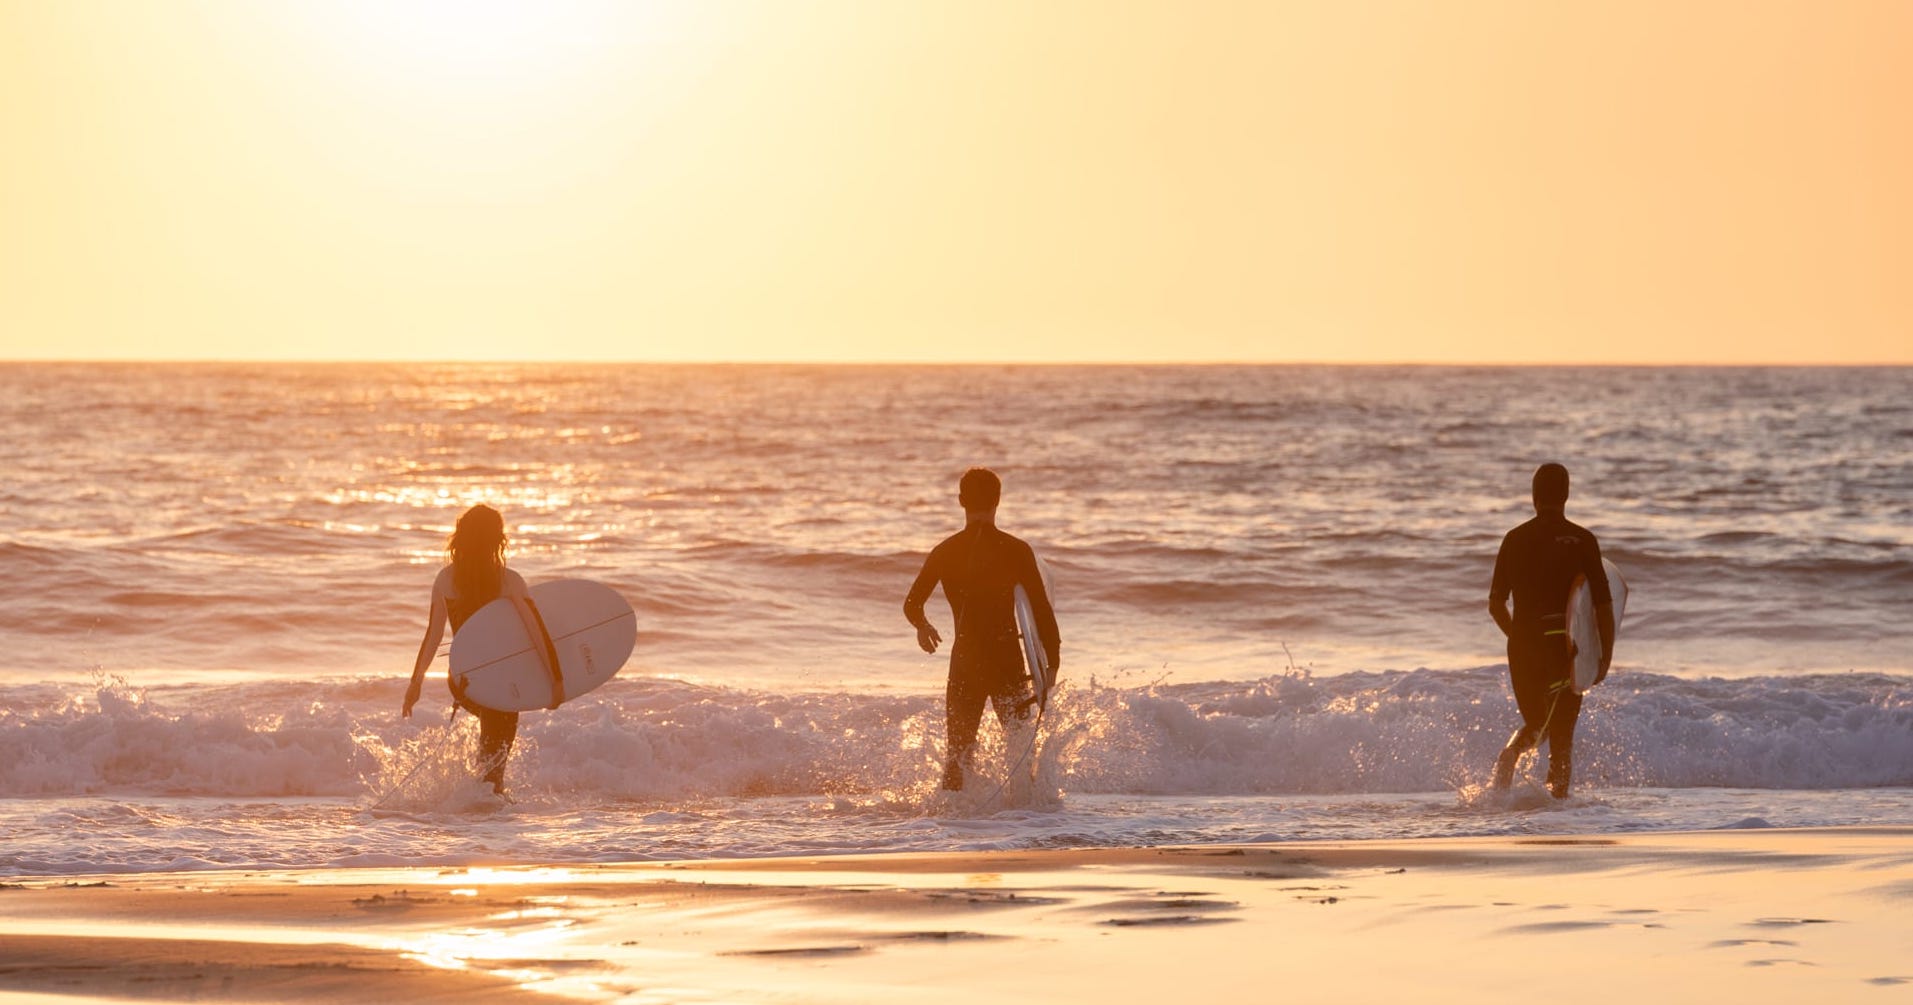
1538, 564
475, 576
980, 568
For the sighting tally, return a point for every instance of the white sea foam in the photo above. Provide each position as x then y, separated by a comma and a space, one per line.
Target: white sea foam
666, 742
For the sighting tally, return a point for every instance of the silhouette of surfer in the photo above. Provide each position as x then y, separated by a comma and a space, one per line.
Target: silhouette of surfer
1537, 565
980, 568
475, 576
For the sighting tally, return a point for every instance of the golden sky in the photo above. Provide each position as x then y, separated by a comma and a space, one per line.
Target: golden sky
1363, 180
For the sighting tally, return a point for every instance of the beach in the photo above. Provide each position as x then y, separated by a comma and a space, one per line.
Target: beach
1742, 915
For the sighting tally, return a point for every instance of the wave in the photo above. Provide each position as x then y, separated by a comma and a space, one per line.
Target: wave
669, 742
1182, 593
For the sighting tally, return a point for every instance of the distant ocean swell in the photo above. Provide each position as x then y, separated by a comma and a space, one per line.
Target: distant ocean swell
281, 521
194, 592
670, 743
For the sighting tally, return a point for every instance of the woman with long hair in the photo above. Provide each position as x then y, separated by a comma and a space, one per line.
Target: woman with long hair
475, 576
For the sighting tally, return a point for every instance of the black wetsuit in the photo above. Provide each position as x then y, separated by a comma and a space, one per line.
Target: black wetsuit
496, 730
980, 568
1538, 563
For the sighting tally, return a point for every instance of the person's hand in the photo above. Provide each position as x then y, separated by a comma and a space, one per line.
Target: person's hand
927, 638
411, 697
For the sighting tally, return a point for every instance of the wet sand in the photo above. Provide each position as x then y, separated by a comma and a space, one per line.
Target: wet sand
1745, 916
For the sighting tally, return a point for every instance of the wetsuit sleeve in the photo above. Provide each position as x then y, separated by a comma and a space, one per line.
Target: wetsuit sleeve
926, 584
1595, 572
1500, 586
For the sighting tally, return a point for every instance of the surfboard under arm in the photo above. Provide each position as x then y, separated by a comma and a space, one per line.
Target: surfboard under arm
541, 644
1035, 653
516, 655
1583, 627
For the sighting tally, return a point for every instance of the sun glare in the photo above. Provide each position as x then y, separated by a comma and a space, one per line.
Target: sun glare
454, 32
466, 44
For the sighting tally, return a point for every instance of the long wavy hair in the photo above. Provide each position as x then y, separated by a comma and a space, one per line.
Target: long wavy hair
477, 549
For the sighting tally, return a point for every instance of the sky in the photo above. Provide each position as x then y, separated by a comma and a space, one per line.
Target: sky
1705, 181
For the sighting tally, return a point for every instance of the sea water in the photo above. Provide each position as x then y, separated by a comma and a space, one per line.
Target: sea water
1271, 583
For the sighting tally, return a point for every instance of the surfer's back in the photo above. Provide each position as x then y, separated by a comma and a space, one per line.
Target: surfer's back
1539, 561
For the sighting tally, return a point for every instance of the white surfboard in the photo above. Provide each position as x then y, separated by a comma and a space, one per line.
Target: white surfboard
515, 656
1035, 655
1584, 630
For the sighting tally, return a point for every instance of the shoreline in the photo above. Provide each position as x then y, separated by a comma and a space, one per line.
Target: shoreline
1745, 915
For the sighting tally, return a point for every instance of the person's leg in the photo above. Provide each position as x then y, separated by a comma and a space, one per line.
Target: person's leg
1567, 710
1013, 709
496, 731
1016, 714
1531, 698
963, 713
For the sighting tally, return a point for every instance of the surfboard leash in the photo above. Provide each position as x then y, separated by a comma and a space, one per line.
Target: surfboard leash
1541, 732
1036, 738
385, 797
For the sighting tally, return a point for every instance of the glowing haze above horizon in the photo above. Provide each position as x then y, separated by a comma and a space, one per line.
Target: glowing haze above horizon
1502, 181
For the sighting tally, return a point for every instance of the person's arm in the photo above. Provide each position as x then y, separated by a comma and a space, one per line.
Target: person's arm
1603, 596
1604, 619
427, 649
1045, 613
1498, 592
920, 590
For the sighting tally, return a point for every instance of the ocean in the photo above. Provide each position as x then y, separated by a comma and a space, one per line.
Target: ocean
1270, 580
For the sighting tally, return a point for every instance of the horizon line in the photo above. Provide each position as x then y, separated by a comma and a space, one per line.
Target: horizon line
1191, 363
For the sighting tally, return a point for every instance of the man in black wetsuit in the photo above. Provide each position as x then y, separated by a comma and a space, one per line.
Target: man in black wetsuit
1538, 563
980, 568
